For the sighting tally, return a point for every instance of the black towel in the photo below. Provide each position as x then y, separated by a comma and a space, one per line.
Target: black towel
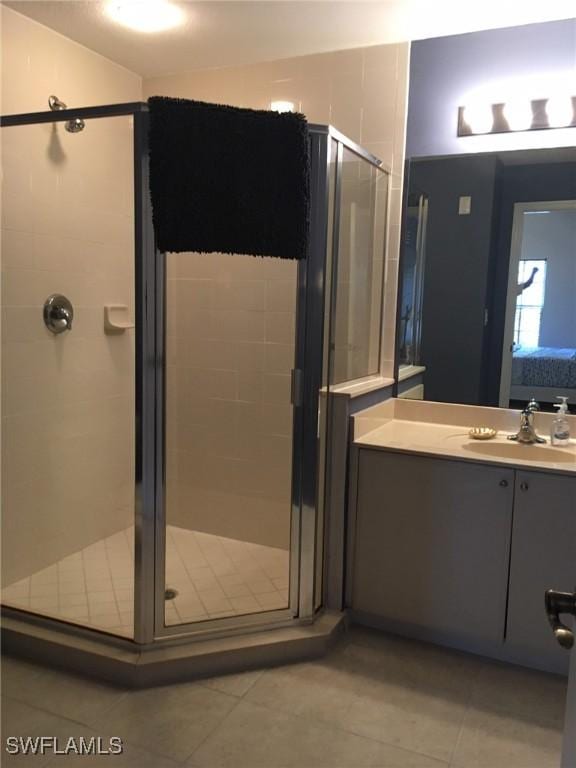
228, 180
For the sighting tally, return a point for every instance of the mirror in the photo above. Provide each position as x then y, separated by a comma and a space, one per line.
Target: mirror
487, 295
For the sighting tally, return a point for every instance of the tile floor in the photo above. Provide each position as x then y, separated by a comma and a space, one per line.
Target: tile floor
375, 701
213, 576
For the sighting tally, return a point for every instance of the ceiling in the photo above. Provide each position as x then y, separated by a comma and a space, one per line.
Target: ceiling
223, 33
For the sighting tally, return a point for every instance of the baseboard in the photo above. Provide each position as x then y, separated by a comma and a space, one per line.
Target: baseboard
127, 664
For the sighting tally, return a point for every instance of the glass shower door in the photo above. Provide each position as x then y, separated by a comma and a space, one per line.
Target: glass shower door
230, 346
356, 329
67, 375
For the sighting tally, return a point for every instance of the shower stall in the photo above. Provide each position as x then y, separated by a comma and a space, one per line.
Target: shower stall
163, 415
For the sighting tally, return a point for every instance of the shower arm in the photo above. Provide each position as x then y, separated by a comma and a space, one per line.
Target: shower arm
57, 105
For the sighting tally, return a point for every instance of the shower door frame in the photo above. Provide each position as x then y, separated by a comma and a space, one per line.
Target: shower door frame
306, 384
149, 475
145, 371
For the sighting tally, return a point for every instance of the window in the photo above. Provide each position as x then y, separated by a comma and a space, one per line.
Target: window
529, 302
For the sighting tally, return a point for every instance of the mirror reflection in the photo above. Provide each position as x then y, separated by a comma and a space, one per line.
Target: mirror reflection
487, 300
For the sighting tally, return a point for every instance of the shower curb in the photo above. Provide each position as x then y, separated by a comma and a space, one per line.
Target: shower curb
126, 664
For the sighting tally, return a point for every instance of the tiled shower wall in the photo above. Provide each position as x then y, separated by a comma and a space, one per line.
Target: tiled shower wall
230, 349
67, 227
237, 440
231, 322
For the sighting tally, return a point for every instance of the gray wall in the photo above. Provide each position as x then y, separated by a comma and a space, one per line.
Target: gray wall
552, 236
458, 252
446, 71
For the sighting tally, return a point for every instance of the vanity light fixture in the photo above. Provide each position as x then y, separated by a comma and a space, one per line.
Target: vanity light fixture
282, 106
518, 114
479, 117
145, 15
558, 111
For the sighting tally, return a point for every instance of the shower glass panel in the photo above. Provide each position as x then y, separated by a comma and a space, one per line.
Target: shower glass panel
68, 430
230, 345
166, 417
359, 278
410, 330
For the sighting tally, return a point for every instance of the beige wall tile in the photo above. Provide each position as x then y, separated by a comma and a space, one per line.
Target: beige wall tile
240, 294
250, 386
280, 327
347, 104
37, 62
238, 325
250, 329
279, 358
379, 106
382, 59
68, 415
216, 444
280, 295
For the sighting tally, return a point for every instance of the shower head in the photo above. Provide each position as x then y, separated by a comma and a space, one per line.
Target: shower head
75, 126
72, 126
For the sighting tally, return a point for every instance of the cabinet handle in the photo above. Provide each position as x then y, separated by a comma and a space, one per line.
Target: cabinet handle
504, 483
524, 486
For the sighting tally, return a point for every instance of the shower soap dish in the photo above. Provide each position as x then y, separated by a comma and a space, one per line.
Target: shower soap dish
116, 318
482, 433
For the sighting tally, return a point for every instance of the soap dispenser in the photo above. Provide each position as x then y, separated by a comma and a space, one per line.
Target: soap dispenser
560, 431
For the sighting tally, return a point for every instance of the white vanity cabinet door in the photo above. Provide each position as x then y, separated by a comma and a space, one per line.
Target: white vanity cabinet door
432, 545
543, 557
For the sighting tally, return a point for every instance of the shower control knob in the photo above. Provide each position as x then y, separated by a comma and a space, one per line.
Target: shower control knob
58, 313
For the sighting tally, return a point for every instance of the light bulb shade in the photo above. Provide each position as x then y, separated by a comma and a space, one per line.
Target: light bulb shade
479, 117
518, 114
560, 111
145, 15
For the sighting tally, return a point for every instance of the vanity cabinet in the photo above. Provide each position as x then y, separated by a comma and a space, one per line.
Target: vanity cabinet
461, 552
432, 543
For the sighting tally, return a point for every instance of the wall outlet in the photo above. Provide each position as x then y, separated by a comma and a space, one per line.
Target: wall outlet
464, 205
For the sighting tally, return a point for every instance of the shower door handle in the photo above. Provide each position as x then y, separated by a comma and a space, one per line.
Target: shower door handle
297, 388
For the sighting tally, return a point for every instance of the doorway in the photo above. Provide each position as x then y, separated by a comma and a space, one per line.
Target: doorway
539, 350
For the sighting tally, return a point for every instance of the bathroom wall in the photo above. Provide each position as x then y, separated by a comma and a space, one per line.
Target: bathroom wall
456, 273
67, 227
447, 72
36, 62
231, 321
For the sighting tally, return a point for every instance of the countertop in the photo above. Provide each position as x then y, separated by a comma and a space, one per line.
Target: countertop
408, 435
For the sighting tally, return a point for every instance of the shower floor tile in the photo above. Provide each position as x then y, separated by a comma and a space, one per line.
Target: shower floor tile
217, 577
213, 577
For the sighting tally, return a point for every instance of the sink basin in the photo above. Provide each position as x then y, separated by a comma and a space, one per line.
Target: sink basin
525, 452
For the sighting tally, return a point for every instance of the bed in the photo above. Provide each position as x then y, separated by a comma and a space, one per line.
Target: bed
544, 372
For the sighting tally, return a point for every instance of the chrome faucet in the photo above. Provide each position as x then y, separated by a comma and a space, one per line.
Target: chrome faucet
526, 433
